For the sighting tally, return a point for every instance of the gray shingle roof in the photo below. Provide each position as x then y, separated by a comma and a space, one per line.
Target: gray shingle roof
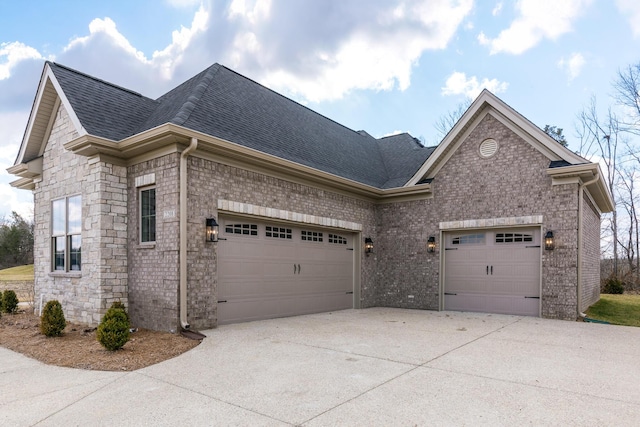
224, 104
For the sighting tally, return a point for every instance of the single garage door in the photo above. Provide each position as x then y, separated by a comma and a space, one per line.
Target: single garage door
493, 271
268, 270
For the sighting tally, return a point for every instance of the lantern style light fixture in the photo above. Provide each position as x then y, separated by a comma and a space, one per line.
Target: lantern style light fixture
212, 229
549, 242
431, 244
368, 245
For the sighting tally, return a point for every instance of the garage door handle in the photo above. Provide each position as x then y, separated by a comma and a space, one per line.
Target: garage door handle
450, 249
533, 297
533, 246
487, 269
492, 270
224, 300
349, 293
299, 269
449, 293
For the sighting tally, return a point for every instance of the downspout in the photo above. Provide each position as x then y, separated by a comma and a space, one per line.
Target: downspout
183, 232
580, 208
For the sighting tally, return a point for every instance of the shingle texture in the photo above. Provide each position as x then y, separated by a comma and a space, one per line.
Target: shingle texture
224, 104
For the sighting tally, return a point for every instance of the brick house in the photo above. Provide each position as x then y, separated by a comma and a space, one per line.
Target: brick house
309, 216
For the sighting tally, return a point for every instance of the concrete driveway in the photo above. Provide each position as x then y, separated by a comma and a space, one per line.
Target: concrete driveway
356, 367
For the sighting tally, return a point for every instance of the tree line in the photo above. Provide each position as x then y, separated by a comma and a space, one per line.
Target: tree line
610, 134
16, 241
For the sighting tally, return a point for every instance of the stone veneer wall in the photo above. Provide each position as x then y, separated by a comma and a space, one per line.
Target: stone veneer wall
84, 295
472, 187
210, 181
590, 254
154, 269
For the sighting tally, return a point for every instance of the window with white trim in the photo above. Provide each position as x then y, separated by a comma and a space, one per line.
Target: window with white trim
66, 234
148, 215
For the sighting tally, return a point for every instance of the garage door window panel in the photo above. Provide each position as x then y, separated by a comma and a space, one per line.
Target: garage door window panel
337, 239
469, 239
278, 232
311, 236
242, 229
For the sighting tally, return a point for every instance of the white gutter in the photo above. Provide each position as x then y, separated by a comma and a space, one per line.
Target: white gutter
183, 232
580, 208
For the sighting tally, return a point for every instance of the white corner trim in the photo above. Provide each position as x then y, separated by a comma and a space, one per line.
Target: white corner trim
492, 222
147, 179
263, 211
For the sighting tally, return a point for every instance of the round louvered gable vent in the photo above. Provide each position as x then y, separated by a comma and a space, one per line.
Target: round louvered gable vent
488, 148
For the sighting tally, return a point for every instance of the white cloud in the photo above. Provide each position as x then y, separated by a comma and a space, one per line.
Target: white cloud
497, 9
11, 54
631, 9
458, 84
378, 55
11, 128
536, 20
573, 65
107, 27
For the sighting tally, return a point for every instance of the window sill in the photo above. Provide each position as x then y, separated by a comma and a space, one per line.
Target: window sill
71, 274
150, 245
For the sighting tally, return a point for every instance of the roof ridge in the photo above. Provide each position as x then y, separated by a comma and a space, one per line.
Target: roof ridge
95, 79
291, 100
190, 104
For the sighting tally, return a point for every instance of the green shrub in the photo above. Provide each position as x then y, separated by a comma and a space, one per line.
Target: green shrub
52, 322
613, 286
9, 301
1, 304
120, 306
113, 331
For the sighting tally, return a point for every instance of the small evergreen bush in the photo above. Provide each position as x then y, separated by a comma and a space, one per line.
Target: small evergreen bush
613, 286
113, 331
52, 322
9, 301
1, 304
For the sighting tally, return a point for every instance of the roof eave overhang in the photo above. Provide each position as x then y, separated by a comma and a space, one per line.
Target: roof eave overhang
130, 150
586, 173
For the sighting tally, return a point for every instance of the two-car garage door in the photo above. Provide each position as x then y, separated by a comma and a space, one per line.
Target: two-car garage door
268, 270
493, 271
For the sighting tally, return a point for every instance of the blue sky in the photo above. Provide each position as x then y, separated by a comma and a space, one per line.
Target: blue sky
382, 66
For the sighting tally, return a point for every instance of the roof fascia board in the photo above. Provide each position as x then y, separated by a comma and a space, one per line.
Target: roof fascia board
510, 118
446, 150
598, 190
65, 102
24, 184
32, 114
168, 136
27, 170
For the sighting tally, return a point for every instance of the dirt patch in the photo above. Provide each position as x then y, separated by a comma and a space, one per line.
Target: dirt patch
78, 347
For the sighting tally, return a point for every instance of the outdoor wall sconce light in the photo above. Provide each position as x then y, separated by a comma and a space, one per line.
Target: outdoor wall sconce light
431, 244
368, 245
212, 230
549, 243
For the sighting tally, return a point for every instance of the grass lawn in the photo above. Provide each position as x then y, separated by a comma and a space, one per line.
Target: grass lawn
617, 309
20, 273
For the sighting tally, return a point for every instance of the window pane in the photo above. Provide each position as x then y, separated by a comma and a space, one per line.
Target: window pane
75, 253
148, 215
58, 253
58, 217
75, 215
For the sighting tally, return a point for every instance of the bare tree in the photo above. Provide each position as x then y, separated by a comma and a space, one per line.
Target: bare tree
447, 121
600, 137
627, 94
